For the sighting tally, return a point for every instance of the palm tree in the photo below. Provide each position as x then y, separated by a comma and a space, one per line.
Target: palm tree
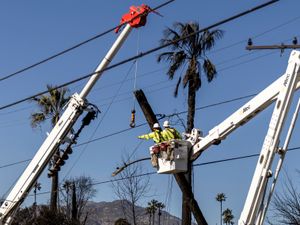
149, 212
153, 207
190, 51
159, 206
221, 198
50, 107
228, 217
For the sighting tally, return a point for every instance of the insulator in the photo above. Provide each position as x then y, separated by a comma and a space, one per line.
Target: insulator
295, 41
250, 42
69, 150
65, 156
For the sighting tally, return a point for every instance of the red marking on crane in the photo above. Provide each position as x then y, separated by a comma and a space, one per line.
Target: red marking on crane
136, 17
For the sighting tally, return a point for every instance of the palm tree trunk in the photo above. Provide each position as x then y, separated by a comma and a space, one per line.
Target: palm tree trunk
54, 186
221, 213
54, 192
159, 214
191, 106
153, 217
74, 203
186, 211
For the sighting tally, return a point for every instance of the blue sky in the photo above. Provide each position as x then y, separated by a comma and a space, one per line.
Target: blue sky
34, 30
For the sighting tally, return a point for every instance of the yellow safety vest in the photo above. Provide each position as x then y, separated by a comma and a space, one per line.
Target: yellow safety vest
170, 133
155, 135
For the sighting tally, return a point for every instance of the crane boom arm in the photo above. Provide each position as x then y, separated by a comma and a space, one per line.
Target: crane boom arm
135, 18
254, 205
40, 160
282, 91
245, 113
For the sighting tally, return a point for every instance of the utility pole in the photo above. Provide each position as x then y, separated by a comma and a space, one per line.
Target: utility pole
179, 177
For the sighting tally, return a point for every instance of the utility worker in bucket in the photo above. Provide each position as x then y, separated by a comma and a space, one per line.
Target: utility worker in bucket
156, 135
170, 133
157, 138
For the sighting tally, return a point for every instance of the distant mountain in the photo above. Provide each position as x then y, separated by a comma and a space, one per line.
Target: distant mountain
106, 213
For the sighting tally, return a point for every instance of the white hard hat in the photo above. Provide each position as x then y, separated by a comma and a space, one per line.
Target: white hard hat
166, 123
156, 125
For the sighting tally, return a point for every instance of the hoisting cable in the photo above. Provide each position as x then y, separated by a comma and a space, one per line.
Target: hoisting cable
132, 121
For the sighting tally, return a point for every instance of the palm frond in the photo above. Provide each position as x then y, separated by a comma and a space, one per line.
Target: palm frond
37, 118
186, 78
50, 105
171, 37
166, 56
208, 39
177, 87
209, 69
177, 61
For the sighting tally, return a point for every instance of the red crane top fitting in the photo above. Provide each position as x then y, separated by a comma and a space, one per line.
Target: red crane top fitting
136, 17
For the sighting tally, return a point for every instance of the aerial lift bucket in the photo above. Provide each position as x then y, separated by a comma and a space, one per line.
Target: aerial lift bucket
172, 156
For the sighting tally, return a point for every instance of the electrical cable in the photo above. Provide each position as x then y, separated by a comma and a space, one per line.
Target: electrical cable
74, 47
256, 36
106, 86
200, 164
225, 68
195, 165
25, 121
127, 93
134, 150
244, 62
145, 74
85, 147
142, 124
142, 54
130, 79
15, 163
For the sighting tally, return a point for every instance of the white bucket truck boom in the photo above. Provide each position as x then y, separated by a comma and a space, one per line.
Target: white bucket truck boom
135, 18
281, 92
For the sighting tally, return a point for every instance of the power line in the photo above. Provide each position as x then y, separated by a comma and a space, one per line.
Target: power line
143, 124
163, 116
256, 36
15, 163
72, 48
102, 118
194, 165
246, 61
96, 89
142, 54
